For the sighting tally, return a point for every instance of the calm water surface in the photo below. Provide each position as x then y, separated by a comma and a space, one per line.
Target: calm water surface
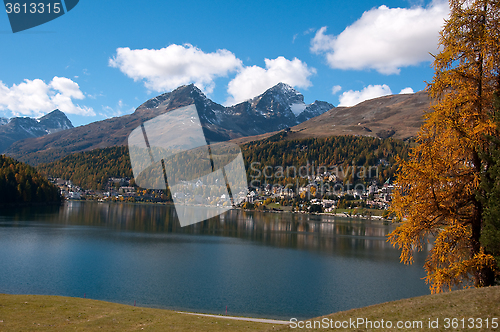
257, 264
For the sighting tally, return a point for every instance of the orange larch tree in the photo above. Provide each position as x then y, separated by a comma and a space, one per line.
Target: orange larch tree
440, 196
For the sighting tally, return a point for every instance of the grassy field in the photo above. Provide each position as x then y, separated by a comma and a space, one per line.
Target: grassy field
279, 207
352, 212
55, 313
482, 304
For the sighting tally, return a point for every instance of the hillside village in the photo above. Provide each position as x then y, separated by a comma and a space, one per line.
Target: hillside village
310, 198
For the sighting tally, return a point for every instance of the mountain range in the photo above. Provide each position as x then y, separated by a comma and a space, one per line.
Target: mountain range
397, 116
277, 108
18, 128
280, 108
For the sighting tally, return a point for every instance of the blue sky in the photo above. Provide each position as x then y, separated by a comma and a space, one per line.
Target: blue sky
105, 58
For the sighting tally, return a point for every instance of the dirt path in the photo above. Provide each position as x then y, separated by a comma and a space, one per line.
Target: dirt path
257, 320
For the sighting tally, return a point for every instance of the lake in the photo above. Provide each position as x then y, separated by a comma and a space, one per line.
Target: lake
274, 265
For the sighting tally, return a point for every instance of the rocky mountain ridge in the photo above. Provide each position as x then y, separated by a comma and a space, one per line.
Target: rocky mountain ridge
277, 108
19, 128
281, 108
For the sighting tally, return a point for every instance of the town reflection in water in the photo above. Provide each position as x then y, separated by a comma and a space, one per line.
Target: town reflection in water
299, 231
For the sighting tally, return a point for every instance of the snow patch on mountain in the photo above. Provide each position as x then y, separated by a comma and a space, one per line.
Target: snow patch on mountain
279, 107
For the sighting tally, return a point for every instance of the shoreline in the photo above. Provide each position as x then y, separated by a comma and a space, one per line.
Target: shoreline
339, 215
247, 319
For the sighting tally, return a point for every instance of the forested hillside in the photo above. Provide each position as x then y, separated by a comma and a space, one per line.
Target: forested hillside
91, 170
21, 183
337, 153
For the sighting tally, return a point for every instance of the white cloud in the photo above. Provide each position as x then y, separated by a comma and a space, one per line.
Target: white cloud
406, 91
336, 89
120, 109
351, 98
167, 68
35, 97
254, 80
385, 39
305, 33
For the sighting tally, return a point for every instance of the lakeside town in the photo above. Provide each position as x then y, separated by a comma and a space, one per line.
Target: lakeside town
341, 199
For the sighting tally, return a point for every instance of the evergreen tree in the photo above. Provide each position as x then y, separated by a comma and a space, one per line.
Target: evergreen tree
21, 183
490, 183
